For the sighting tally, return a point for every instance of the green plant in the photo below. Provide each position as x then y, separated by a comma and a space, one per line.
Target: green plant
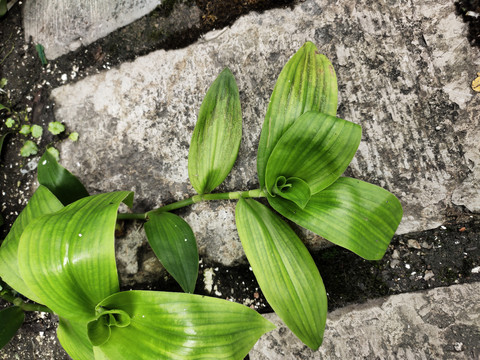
60, 250
3, 7
56, 127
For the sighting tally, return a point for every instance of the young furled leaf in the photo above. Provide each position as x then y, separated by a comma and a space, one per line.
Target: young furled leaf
217, 135
317, 149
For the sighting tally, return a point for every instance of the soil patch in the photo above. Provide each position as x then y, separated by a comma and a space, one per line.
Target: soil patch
470, 12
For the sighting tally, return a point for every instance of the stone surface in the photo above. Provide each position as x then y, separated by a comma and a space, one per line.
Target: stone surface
62, 26
404, 71
443, 323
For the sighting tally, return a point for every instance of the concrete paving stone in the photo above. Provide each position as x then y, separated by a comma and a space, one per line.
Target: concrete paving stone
442, 323
62, 26
404, 71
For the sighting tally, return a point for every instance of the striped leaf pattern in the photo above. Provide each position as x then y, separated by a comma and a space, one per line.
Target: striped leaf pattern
307, 82
179, 326
284, 270
317, 148
67, 258
42, 202
356, 215
217, 135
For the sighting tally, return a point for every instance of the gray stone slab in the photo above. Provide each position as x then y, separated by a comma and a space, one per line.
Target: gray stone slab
404, 70
62, 26
443, 323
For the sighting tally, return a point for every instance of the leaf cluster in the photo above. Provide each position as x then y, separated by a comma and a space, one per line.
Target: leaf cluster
60, 250
19, 122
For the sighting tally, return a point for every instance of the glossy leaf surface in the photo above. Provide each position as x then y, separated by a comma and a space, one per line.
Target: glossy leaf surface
11, 318
66, 187
217, 135
74, 339
284, 270
42, 202
68, 258
307, 82
173, 241
317, 148
180, 326
351, 213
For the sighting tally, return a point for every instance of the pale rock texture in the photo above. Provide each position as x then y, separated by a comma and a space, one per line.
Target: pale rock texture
442, 323
62, 26
404, 70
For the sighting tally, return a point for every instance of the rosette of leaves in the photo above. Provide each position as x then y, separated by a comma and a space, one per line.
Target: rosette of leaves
303, 151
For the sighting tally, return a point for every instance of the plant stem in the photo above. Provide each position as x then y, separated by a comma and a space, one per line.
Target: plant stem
193, 200
22, 304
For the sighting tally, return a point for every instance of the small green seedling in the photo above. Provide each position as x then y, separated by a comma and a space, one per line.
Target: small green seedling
37, 131
73, 136
60, 251
29, 148
41, 54
56, 127
25, 130
9, 123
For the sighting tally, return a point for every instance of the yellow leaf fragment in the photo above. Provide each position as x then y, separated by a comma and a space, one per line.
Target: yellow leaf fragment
476, 83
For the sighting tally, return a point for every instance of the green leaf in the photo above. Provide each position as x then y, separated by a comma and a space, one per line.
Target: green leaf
99, 331
55, 153
284, 270
68, 258
73, 136
41, 54
42, 202
25, 130
56, 127
179, 326
351, 213
2, 139
37, 131
217, 134
317, 148
3, 107
60, 181
29, 148
173, 241
9, 122
11, 319
3, 8
74, 339
307, 82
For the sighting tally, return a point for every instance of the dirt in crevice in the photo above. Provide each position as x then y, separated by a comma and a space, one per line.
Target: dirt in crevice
470, 12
